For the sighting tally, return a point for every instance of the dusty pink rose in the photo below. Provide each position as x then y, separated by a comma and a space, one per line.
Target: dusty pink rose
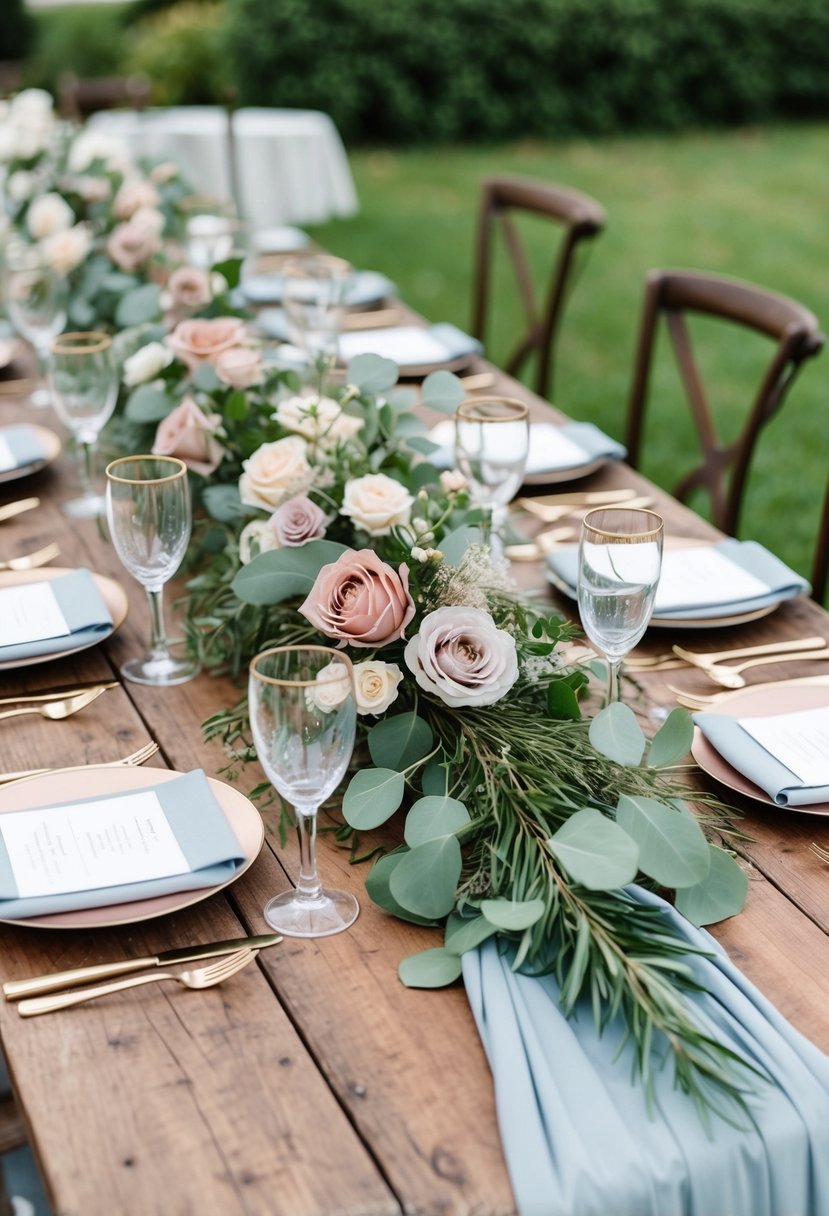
239, 367
131, 245
298, 520
201, 341
132, 196
189, 287
185, 433
361, 600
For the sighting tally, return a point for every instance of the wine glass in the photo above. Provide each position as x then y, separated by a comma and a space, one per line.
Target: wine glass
84, 378
303, 718
492, 441
148, 508
620, 558
210, 230
314, 297
37, 300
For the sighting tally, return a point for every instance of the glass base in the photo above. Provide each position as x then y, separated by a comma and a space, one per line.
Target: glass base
40, 398
329, 913
88, 506
160, 671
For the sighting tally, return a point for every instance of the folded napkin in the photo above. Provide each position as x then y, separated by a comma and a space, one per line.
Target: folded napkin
750, 758
364, 287
779, 583
553, 449
200, 827
84, 611
280, 240
19, 446
410, 345
577, 1136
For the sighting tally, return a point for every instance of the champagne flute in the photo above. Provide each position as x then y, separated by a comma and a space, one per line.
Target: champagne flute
148, 508
492, 441
37, 300
84, 379
620, 559
314, 297
303, 718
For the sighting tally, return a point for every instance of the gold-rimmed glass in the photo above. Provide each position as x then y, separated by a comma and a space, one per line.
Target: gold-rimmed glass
314, 299
211, 229
303, 719
149, 514
37, 299
84, 379
492, 442
620, 560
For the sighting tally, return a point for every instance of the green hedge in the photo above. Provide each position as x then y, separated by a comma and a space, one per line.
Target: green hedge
16, 34
438, 70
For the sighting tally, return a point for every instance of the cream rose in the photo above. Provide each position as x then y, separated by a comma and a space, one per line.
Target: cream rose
317, 418
274, 472
376, 503
66, 250
146, 363
47, 215
255, 538
461, 656
330, 689
186, 433
375, 685
20, 185
90, 146
239, 367
167, 171
133, 195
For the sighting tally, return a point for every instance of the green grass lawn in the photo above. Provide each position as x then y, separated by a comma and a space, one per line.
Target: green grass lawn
751, 204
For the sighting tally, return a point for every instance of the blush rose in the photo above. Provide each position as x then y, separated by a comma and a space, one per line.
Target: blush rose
360, 600
186, 433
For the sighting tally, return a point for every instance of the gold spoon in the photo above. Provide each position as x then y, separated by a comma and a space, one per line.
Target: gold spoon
29, 561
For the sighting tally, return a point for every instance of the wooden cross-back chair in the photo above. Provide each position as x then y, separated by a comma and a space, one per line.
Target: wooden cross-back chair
820, 569
670, 294
579, 218
77, 98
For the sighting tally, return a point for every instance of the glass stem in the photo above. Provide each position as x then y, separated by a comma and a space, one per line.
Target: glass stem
87, 466
613, 686
308, 887
158, 635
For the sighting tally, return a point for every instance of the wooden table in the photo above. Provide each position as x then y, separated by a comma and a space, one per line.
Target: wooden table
313, 1083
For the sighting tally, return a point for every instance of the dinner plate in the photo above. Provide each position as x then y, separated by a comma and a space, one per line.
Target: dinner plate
785, 697
50, 443
69, 786
112, 593
365, 289
280, 240
542, 435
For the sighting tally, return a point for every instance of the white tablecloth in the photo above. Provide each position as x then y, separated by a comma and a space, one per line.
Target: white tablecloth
291, 165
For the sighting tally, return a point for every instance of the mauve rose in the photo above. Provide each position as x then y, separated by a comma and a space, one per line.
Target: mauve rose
200, 341
131, 245
461, 656
189, 287
360, 600
186, 433
297, 521
239, 367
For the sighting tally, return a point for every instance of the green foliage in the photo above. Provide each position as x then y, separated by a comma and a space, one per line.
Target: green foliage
180, 48
80, 38
17, 30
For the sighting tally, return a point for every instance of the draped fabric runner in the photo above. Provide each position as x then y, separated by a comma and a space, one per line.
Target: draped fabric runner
577, 1137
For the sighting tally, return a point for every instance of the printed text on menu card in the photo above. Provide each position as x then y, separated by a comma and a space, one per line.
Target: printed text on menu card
800, 741
30, 613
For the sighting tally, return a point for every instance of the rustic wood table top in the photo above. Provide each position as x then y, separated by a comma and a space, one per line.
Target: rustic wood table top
313, 1083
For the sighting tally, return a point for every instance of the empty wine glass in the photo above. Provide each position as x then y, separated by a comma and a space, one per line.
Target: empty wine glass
492, 441
37, 300
620, 559
210, 230
148, 508
303, 718
314, 298
84, 378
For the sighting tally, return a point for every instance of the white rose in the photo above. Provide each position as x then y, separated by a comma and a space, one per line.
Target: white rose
461, 656
20, 185
377, 503
331, 688
31, 139
66, 250
317, 418
149, 219
375, 685
146, 363
255, 538
47, 215
452, 480
32, 103
90, 146
274, 472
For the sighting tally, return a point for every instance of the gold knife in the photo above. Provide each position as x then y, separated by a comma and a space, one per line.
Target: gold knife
13, 990
17, 508
52, 694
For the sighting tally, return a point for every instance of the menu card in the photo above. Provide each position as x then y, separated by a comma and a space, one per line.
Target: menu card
800, 741
30, 613
702, 577
8, 460
551, 448
86, 846
406, 344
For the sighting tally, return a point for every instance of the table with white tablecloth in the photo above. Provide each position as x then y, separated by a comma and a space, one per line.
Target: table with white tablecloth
283, 166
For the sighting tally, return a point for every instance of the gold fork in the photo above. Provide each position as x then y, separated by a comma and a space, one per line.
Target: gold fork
29, 560
56, 711
134, 759
52, 694
17, 508
201, 977
822, 853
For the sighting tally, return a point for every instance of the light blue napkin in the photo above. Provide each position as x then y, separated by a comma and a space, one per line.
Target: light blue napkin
85, 612
365, 287
541, 458
204, 835
457, 343
752, 760
782, 582
577, 1136
24, 445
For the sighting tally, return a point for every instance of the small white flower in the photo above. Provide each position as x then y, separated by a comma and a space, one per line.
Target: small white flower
375, 686
218, 284
452, 480
255, 538
419, 524
146, 363
418, 555
20, 185
331, 688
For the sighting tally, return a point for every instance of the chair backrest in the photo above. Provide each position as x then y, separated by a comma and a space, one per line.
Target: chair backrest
78, 99
820, 569
794, 329
578, 217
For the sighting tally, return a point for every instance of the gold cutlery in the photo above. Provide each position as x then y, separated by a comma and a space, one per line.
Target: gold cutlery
56, 711
202, 977
51, 694
552, 513
38, 985
535, 550
696, 659
135, 759
13, 388
17, 508
822, 853
30, 560
729, 677
593, 498
694, 700
477, 381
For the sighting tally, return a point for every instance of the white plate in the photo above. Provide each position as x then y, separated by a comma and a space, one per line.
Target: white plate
112, 593
240, 812
280, 240
51, 445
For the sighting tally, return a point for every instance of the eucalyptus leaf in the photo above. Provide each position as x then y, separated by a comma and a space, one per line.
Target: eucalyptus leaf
595, 851
454, 545
403, 399
138, 306
512, 915
673, 740
433, 968
423, 475
281, 574
426, 879
721, 893
409, 424
442, 391
432, 817
372, 374
372, 797
224, 504
616, 734
148, 404
400, 740
672, 847
434, 779
236, 407
206, 379
377, 886
421, 445
562, 703
466, 932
